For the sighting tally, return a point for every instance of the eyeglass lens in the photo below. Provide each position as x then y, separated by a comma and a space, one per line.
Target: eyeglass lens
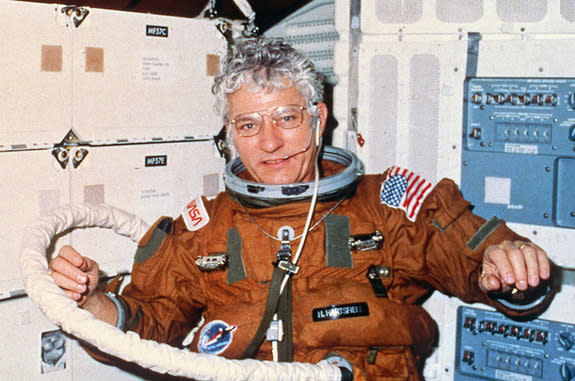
290, 116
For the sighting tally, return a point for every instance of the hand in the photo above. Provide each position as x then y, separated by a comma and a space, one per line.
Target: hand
513, 265
77, 275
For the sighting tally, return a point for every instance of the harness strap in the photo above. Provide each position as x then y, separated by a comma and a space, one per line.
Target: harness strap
285, 314
269, 311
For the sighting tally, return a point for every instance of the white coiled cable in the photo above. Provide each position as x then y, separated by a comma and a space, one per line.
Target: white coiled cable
158, 357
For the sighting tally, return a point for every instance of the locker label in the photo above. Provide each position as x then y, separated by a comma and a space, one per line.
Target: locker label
156, 31
157, 161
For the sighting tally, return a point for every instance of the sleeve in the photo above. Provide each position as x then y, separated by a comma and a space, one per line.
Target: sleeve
164, 298
453, 240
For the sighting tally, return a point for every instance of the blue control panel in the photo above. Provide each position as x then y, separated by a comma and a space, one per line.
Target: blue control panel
518, 156
490, 346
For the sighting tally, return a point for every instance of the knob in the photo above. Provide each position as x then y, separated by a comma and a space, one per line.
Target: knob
566, 340
567, 371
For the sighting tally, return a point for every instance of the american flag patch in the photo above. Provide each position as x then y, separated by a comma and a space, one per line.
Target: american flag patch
403, 189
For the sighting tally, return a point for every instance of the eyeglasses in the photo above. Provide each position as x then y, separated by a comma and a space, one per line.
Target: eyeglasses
250, 124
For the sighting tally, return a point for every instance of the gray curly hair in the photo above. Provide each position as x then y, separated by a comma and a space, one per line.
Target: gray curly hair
267, 63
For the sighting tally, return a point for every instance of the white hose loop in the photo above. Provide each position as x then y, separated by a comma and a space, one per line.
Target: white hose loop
246, 9
161, 358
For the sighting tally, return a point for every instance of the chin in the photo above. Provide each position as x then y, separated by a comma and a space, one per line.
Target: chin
277, 179
285, 180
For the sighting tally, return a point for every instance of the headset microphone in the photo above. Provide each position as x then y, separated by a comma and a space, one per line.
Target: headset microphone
314, 131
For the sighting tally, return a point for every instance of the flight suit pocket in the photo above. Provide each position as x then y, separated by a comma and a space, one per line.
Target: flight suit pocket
389, 363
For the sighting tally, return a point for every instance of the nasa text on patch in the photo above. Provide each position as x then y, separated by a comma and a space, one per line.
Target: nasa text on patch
195, 215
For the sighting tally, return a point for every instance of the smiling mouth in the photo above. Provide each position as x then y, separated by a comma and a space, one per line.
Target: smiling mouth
275, 161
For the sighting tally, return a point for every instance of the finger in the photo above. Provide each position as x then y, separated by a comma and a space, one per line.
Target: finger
71, 255
536, 261
497, 263
544, 264
518, 262
489, 282
67, 269
532, 265
68, 284
73, 295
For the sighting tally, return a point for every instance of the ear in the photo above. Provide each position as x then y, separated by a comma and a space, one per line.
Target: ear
322, 117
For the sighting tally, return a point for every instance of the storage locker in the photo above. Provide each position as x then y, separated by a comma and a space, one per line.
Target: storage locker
98, 106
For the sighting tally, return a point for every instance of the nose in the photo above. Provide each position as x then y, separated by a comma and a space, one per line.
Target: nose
270, 136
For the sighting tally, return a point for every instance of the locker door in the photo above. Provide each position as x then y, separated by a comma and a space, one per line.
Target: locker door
149, 180
32, 183
35, 84
140, 77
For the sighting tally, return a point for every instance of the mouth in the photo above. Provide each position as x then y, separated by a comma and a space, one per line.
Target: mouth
275, 161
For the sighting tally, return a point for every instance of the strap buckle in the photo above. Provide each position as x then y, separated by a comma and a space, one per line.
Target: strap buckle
288, 266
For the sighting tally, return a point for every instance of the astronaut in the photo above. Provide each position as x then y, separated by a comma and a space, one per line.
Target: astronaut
304, 257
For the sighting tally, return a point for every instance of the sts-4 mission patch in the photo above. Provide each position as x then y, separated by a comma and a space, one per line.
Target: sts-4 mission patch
216, 337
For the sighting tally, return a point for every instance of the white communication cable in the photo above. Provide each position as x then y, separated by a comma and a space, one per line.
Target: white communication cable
158, 357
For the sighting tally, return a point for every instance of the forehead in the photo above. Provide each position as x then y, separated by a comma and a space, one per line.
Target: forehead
246, 100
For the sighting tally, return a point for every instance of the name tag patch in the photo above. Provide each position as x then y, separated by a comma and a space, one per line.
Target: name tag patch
340, 311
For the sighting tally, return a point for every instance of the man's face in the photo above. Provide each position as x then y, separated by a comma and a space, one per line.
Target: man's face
264, 154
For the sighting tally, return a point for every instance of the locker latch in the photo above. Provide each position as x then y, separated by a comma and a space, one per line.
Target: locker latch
62, 152
77, 14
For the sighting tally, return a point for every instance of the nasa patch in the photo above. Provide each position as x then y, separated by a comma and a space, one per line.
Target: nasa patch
216, 337
195, 215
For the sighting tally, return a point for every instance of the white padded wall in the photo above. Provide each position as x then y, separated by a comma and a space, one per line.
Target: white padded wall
412, 59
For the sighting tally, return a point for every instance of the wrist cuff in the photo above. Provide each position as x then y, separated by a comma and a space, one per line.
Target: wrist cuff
122, 315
